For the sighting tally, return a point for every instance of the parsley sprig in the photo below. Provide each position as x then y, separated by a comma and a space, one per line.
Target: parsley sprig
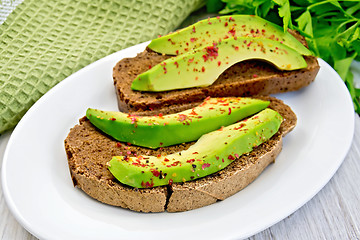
330, 27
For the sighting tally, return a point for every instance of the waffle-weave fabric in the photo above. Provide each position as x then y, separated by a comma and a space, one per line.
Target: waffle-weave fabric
44, 41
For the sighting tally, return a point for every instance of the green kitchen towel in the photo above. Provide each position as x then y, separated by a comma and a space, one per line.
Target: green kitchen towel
44, 41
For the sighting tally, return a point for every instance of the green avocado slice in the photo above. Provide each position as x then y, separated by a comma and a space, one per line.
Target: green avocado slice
202, 66
211, 153
186, 126
211, 30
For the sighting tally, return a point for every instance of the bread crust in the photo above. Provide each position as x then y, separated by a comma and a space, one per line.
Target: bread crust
88, 150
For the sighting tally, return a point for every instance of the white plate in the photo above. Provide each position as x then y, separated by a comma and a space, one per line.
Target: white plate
39, 192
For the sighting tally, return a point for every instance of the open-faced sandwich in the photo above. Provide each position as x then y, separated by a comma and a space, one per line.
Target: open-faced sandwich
187, 133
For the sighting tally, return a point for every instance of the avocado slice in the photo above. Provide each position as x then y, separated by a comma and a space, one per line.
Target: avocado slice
186, 126
202, 66
211, 153
211, 30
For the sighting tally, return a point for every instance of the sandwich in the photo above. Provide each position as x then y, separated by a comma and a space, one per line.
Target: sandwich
254, 76
184, 145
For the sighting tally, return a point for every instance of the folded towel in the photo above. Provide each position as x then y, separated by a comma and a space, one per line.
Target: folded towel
44, 41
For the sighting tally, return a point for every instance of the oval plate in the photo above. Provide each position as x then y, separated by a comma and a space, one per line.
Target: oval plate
38, 189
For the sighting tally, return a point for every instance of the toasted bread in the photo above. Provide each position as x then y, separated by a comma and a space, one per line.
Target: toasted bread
88, 150
247, 78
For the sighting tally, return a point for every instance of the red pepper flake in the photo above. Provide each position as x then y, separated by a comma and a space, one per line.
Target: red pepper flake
172, 42
112, 119
229, 111
219, 63
241, 126
176, 64
155, 172
190, 160
166, 160
191, 60
182, 117
175, 163
159, 155
150, 66
170, 182
129, 144
232, 31
165, 70
118, 144
211, 52
230, 157
160, 115
231, 19
203, 69
159, 35
193, 39
237, 155
226, 24
177, 52
195, 153
193, 29
193, 112
147, 184
236, 48
205, 165
255, 75
133, 119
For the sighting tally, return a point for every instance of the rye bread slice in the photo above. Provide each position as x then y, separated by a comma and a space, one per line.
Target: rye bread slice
88, 150
247, 78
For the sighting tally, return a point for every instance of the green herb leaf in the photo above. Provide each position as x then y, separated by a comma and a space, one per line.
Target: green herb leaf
284, 12
330, 27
